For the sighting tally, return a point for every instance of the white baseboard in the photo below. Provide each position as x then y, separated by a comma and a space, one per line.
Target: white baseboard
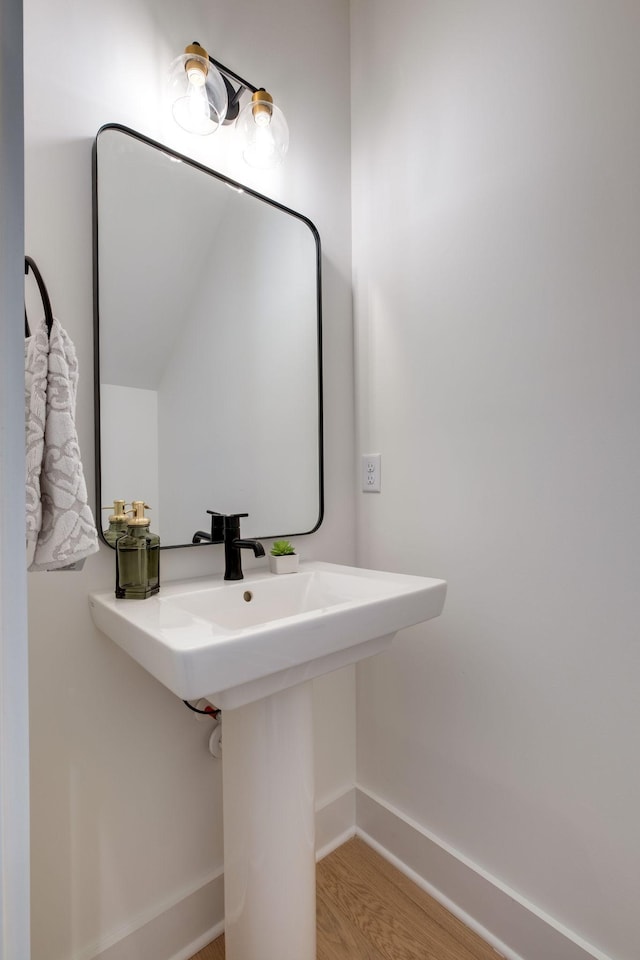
335, 822
515, 927
195, 915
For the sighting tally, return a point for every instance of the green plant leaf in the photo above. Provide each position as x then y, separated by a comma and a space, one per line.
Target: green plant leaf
282, 548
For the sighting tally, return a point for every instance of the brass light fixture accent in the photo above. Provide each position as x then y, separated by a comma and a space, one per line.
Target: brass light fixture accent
199, 61
261, 109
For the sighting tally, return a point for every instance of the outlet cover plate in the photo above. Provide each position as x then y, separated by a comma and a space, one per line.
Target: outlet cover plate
371, 464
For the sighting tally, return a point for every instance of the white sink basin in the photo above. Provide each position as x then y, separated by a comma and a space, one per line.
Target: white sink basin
237, 642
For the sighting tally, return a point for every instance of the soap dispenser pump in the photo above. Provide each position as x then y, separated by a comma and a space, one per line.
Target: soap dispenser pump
137, 557
117, 522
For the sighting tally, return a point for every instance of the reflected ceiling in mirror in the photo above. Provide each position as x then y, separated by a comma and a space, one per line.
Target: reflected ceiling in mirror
207, 343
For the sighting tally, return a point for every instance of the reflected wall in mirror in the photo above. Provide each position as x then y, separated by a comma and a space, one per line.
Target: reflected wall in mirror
208, 345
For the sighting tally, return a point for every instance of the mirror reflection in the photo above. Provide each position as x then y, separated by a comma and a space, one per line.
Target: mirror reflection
208, 365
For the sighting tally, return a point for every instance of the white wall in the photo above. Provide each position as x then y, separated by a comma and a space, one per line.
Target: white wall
126, 803
496, 247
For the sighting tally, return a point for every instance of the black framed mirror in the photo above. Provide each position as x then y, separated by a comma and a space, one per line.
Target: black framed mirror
208, 345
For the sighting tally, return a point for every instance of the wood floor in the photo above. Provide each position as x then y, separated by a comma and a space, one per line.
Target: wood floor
368, 910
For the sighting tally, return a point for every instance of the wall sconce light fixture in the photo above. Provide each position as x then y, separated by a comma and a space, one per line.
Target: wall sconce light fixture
205, 95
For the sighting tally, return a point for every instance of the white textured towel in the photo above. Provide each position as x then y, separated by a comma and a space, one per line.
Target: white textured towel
63, 525
36, 360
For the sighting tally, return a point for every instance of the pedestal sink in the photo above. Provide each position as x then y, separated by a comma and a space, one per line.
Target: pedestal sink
251, 647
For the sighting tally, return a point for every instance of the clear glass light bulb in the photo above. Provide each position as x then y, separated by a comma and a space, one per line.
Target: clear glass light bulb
196, 76
262, 133
197, 106
262, 119
197, 92
264, 146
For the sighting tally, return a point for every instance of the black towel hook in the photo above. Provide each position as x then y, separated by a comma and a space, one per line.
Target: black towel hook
29, 262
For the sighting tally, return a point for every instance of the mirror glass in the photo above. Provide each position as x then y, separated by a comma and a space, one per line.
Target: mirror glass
208, 349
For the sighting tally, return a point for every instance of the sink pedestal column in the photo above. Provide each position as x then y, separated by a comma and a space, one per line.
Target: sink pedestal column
269, 841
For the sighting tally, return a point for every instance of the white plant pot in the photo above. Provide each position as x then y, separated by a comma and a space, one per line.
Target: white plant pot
286, 564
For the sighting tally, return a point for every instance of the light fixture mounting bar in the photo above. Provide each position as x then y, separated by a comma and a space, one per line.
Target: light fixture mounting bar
233, 94
233, 76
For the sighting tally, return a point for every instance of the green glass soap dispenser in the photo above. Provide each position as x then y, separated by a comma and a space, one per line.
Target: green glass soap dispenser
137, 558
117, 522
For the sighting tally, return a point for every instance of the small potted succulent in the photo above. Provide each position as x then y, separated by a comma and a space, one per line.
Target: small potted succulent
283, 557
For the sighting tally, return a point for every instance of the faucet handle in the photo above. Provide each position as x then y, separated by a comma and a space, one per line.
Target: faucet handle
231, 524
217, 526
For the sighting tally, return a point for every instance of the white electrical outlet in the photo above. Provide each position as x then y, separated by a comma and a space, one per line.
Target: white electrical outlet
371, 472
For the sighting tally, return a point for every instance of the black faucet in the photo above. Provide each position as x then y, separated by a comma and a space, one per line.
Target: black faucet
233, 544
226, 529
